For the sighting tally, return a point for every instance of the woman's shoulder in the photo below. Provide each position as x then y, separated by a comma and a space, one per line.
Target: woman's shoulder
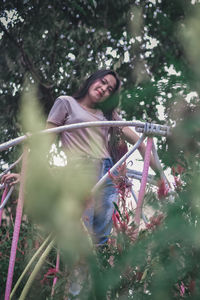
67, 101
66, 98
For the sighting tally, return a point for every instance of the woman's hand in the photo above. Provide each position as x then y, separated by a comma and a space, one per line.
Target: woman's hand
10, 179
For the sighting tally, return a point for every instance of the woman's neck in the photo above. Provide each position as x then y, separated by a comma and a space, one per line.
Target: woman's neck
87, 103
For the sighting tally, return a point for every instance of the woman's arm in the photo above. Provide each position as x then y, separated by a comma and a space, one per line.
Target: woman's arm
50, 125
131, 137
13, 178
53, 135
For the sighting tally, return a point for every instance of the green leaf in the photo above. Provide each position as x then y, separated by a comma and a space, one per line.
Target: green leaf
117, 208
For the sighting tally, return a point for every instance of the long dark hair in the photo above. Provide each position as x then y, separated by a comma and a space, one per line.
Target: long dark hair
107, 107
111, 102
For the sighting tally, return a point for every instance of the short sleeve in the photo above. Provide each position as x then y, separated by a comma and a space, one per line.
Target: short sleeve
58, 112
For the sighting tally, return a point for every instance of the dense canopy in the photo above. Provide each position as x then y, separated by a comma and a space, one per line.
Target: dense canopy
57, 44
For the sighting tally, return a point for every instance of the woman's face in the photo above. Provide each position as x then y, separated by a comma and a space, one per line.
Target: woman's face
102, 88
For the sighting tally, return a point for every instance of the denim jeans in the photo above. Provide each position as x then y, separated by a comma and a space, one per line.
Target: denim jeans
98, 217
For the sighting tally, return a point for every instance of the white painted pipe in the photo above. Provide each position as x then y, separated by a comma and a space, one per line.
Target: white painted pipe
151, 128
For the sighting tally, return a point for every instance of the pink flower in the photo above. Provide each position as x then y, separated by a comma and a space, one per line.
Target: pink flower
111, 260
182, 289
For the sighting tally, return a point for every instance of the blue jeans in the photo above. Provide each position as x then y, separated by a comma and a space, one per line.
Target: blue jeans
98, 217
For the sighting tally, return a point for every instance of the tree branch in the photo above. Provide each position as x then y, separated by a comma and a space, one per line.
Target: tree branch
27, 61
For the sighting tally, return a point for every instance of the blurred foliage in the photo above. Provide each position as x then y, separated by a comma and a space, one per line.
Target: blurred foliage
58, 44
54, 45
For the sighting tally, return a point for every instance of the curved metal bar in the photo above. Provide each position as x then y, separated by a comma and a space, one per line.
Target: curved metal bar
152, 129
103, 179
7, 197
2, 200
11, 167
12, 143
138, 175
2, 186
164, 130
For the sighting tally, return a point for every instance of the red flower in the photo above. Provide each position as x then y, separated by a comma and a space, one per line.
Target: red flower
115, 221
121, 181
124, 227
155, 221
191, 286
127, 216
179, 169
177, 181
51, 271
163, 189
139, 275
121, 221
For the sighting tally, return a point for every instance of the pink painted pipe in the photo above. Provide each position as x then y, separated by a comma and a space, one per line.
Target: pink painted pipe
55, 277
143, 180
18, 218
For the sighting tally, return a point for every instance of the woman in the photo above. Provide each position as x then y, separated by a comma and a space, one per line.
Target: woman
95, 101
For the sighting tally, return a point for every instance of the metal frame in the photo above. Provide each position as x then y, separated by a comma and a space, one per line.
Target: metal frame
148, 129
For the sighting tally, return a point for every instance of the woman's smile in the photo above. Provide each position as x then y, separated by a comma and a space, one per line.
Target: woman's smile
100, 93
102, 88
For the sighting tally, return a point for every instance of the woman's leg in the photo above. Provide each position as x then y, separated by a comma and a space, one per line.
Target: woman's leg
98, 216
104, 207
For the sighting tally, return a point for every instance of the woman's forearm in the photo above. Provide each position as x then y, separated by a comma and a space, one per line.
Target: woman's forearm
131, 137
